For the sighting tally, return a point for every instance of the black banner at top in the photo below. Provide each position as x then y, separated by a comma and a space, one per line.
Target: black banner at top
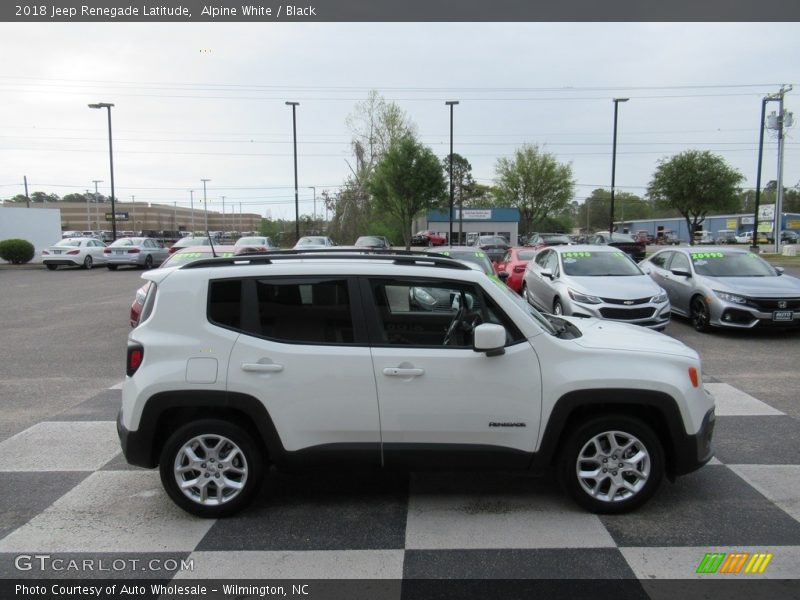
400, 10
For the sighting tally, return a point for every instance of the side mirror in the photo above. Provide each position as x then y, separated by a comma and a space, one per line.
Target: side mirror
681, 272
503, 275
547, 273
489, 338
780, 270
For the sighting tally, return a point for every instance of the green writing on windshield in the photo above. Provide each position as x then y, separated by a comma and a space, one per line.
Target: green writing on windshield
705, 255
576, 254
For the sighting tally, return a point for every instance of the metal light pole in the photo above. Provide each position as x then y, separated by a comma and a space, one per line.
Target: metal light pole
451, 104
108, 106
294, 106
96, 214
88, 218
779, 196
205, 202
614, 165
133, 213
223, 216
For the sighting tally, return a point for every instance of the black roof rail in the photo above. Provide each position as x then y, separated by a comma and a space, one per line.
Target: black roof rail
399, 257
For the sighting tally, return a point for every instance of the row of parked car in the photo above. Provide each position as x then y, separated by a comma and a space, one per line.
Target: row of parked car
712, 286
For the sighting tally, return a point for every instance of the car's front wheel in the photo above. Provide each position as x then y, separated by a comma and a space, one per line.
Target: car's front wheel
211, 468
87, 262
611, 464
701, 318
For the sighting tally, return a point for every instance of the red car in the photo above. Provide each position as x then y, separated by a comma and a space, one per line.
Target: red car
182, 256
428, 238
514, 263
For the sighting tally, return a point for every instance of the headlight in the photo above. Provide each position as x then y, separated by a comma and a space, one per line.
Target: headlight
736, 299
660, 299
583, 298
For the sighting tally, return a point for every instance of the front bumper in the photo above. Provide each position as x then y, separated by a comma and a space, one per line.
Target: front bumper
652, 316
739, 316
695, 450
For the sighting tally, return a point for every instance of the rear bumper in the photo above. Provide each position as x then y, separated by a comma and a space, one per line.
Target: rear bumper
136, 447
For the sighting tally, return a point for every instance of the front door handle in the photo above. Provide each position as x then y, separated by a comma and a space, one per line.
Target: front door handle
262, 367
400, 372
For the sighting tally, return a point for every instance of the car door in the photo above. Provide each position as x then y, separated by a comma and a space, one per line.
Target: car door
443, 403
304, 356
540, 286
681, 287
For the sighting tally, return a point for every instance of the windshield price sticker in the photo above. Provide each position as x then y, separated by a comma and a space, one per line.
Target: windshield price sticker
703, 255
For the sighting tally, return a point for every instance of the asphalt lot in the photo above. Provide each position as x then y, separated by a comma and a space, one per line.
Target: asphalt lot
64, 339
72, 496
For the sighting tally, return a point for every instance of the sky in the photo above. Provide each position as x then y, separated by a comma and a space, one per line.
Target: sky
207, 100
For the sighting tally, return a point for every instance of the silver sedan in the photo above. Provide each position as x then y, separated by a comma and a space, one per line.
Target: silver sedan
594, 281
135, 251
726, 287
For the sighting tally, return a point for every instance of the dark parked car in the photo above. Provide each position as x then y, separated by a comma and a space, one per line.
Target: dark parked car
495, 246
543, 240
634, 248
377, 242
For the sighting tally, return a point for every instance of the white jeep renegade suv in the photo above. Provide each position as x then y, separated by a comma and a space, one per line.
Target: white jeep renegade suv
396, 360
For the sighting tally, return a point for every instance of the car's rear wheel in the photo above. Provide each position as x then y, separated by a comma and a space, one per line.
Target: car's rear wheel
148, 261
611, 464
51, 267
211, 468
701, 318
87, 262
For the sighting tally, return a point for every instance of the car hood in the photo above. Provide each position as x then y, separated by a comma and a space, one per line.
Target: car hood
600, 334
777, 286
628, 287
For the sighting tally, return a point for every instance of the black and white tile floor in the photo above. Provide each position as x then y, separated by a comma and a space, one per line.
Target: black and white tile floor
67, 493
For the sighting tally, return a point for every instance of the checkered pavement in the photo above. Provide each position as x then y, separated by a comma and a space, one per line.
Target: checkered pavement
69, 494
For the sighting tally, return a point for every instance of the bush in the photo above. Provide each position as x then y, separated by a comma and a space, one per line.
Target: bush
17, 252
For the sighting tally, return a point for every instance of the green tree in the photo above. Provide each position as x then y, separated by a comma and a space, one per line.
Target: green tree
462, 180
375, 125
535, 183
42, 197
77, 198
627, 206
695, 183
407, 180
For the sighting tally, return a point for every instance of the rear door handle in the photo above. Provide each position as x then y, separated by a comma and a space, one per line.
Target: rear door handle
262, 367
398, 372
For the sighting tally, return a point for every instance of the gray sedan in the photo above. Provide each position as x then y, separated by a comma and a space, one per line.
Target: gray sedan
726, 287
594, 281
135, 251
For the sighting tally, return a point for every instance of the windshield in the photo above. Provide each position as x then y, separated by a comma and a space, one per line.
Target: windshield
554, 238
526, 254
251, 241
69, 243
621, 237
129, 242
311, 241
369, 241
479, 258
599, 264
538, 317
730, 264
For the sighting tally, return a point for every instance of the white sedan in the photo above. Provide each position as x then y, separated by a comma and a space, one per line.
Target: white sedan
75, 252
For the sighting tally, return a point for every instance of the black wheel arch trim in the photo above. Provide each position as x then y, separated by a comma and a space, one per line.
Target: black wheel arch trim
164, 411
657, 409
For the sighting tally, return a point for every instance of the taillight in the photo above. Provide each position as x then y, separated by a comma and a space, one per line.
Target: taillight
74, 252
519, 269
135, 356
106, 250
45, 252
172, 250
133, 250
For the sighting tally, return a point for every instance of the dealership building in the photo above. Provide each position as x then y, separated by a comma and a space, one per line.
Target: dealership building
472, 222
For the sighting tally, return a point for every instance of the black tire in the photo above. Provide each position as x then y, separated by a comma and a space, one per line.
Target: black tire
247, 468
558, 308
700, 317
595, 494
51, 267
112, 267
88, 263
148, 261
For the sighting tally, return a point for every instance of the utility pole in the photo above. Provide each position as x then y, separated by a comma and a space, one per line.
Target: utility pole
96, 212
88, 218
27, 198
223, 216
781, 122
205, 202
191, 204
133, 201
